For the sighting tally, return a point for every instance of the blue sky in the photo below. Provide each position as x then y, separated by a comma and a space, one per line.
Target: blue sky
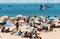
29, 1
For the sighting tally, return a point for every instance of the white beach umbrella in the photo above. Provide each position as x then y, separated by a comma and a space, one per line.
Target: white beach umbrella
36, 21
19, 16
23, 16
41, 16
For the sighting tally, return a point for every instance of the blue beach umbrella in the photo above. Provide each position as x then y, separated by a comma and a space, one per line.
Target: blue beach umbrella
44, 24
30, 27
51, 18
9, 24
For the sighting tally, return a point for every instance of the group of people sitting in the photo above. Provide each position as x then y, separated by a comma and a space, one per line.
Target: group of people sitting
33, 34
35, 24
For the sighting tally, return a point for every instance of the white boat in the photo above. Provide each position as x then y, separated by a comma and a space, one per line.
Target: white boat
47, 5
42, 7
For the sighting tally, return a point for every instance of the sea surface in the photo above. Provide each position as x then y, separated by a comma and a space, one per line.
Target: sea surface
29, 10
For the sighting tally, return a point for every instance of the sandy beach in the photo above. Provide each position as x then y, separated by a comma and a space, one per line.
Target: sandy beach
43, 27
29, 19
45, 35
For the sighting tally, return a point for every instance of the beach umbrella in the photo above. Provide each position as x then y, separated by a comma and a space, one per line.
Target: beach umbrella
36, 21
51, 18
23, 16
44, 24
19, 16
30, 27
9, 24
41, 16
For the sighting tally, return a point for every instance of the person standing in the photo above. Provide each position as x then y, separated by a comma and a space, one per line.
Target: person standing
17, 25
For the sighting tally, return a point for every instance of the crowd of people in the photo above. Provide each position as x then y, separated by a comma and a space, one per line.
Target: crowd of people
32, 25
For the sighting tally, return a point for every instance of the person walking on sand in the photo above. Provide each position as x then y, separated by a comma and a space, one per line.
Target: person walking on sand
17, 25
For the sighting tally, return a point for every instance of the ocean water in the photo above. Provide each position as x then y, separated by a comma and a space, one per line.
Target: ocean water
29, 10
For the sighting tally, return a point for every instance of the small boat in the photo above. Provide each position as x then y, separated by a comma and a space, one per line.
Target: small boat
42, 7
25, 6
47, 5
10, 3
9, 6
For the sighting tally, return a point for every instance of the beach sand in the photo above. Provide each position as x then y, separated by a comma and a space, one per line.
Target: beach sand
51, 35
45, 35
